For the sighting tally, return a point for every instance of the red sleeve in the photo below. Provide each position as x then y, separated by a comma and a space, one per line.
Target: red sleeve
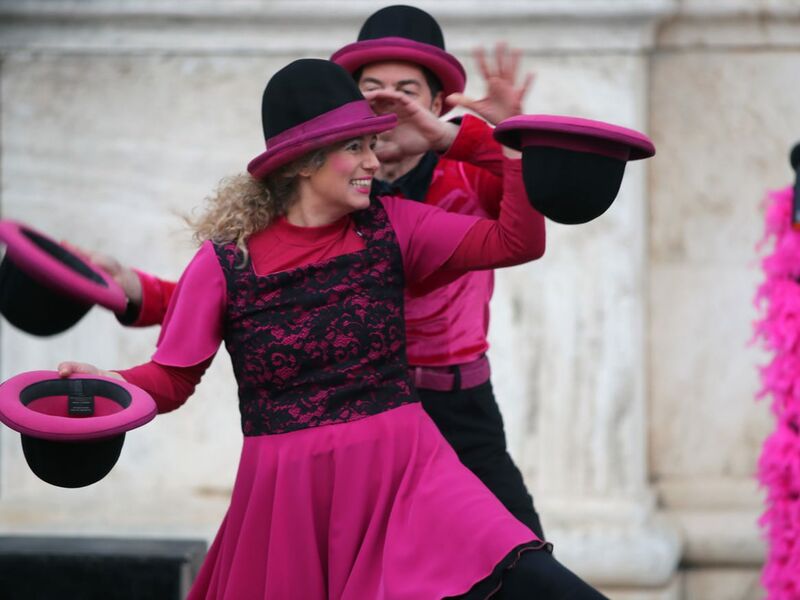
517, 236
156, 294
481, 158
170, 387
475, 144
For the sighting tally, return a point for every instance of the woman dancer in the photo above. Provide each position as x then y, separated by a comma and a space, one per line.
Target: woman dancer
400, 56
345, 489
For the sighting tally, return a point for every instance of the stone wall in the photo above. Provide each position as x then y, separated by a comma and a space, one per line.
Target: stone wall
621, 359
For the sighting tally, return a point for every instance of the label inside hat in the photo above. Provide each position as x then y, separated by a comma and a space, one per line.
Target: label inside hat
79, 397
80, 405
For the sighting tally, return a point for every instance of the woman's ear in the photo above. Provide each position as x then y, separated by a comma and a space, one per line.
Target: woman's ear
306, 172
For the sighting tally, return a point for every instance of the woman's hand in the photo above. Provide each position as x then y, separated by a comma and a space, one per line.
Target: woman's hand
124, 276
504, 96
418, 129
67, 368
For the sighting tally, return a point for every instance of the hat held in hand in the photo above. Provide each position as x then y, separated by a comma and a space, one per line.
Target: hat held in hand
572, 167
72, 428
46, 289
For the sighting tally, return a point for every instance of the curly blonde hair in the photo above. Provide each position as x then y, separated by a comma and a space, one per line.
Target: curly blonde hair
243, 205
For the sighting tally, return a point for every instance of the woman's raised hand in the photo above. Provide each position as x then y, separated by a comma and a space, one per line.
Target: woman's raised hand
418, 129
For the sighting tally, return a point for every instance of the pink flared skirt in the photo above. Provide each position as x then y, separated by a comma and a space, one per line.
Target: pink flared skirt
374, 509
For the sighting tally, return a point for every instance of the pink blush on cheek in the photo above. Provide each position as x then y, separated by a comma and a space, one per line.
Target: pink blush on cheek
341, 164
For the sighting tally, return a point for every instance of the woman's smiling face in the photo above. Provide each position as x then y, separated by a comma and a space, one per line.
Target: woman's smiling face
342, 184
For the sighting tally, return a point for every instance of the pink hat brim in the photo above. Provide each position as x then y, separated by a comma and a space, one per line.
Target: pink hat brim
444, 65
46, 425
574, 133
54, 274
312, 136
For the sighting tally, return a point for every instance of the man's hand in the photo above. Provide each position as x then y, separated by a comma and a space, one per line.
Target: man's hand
418, 129
504, 96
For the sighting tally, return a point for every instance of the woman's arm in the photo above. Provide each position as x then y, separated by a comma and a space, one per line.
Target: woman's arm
517, 236
189, 339
148, 296
170, 387
150, 307
438, 246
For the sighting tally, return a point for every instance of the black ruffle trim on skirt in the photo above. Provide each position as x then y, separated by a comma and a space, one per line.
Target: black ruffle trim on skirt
488, 586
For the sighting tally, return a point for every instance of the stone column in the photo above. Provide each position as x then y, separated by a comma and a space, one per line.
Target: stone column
569, 337
725, 114
569, 346
574, 346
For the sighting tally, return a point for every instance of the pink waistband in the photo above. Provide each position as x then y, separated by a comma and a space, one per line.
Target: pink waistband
452, 378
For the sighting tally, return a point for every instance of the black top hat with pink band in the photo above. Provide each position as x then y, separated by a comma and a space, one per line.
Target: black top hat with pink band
72, 429
572, 167
309, 104
404, 33
45, 288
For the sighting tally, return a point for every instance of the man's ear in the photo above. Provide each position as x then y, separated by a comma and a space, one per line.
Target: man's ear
437, 104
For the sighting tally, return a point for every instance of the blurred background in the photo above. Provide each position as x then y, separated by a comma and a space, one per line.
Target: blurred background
621, 360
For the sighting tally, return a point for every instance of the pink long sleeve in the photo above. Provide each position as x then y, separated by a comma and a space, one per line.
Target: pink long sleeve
517, 236
156, 294
190, 336
193, 325
438, 246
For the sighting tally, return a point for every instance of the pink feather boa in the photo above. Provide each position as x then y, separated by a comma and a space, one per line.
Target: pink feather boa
779, 465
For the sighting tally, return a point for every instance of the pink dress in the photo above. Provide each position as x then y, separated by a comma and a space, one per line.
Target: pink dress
345, 489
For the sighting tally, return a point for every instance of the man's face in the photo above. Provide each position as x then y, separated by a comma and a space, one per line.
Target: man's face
403, 77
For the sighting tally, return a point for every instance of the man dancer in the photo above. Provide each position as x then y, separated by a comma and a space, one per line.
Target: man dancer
399, 58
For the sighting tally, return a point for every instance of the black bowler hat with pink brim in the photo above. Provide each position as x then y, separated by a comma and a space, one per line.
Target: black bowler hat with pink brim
310, 104
408, 34
72, 429
44, 287
572, 167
